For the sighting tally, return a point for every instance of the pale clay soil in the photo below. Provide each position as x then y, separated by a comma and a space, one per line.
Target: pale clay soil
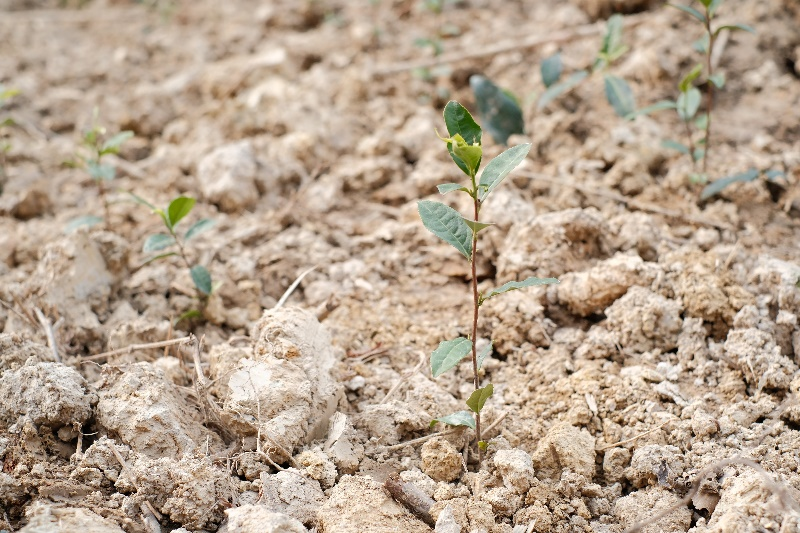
671, 343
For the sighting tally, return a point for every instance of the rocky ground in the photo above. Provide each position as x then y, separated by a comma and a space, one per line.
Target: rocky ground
305, 129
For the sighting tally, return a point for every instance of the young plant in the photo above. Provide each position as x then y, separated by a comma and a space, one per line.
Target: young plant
96, 145
618, 92
498, 108
177, 210
5, 95
464, 145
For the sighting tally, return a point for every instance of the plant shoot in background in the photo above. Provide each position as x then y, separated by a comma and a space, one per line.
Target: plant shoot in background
464, 145
618, 92
177, 210
5, 122
96, 145
499, 109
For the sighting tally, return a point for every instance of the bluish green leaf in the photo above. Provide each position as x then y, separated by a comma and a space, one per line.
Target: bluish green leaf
447, 224
718, 80
192, 313
612, 39
100, 172
159, 256
692, 11
556, 90
515, 285
459, 418
686, 81
197, 228
699, 153
140, 200
658, 106
712, 6
701, 122
500, 167
689, 103
719, 185
80, 222
501, 114
111, 146
478, 398
459, 121
774, 175
619, 95
675, 145
157, 242
476, 227
551, 69
484, 353
445, 188
201, 279
448, 355
735, 27
698, 178
179, 208
701, 44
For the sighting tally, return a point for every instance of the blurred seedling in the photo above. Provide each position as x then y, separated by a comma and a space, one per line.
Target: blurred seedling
499, 109
697, 126
5, 122
95, 145
617, 91
177, 210
464, 145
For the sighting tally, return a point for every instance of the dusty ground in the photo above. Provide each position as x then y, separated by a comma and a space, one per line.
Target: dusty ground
670, 344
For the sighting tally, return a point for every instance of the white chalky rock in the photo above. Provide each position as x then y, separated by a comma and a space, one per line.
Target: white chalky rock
227, 177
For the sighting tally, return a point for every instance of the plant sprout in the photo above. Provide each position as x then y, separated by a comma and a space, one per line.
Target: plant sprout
175, 212
464, 145
96, 145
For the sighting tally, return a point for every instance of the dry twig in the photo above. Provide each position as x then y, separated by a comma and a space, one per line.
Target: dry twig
49, 331
135, 347
151, 516
626, 441
411, 497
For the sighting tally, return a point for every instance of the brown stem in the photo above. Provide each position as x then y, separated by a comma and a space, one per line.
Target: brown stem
476, 302
691, 144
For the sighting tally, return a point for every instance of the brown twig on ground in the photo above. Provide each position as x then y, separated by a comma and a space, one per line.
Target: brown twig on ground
478, 51
11, 308
775, 488
626, 441
135, 347
151, 516
422, 439
411, 497
201, 386
293, 286
49, 331
630, 202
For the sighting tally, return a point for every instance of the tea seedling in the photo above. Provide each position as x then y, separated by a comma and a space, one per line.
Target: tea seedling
464, 145
96, 145
618, 92
499, 109
177, 210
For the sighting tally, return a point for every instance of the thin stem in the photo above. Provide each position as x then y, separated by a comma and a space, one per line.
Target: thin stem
709, 91
476, 302
691, 144
202, 297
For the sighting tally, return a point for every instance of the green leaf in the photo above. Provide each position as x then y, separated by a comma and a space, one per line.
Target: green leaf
179, 208
476, 227
692, 75
516, 285
202, 279
699, 153
718, 80
447, 224
466, 156
140, 200
619, 95
159, 256
157, 242
774, 175
197, 228
612, 39
701, 122
551, 69
459, 418
500, 167
692, 11
484, 353
459, 121
658, 106
100, 172
191, 313
478, 398
689, 103
445, 188
735, 27
502, 116
719, 185
111, 146
675, 145
483, 445
701, 44
698, 178
83, 221
712, 7
556, 90
448, 355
